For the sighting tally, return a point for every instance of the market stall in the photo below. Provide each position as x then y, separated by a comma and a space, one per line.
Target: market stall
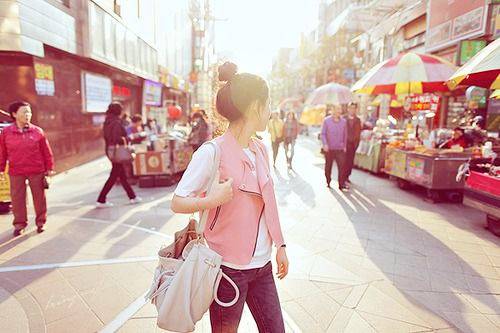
482, 185
482, 190
371, 152
161, 160
432, 169
416, 76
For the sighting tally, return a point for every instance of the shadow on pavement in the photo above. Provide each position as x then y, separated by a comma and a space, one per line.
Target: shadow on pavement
417, 243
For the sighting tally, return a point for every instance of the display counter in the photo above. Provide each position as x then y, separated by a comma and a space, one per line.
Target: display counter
435, 172
372, 159
482, 191
164, 165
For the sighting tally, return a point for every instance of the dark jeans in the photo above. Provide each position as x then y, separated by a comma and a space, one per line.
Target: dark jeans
349, 158
258, 290
276, 147
18, 198
117, 171
339, 157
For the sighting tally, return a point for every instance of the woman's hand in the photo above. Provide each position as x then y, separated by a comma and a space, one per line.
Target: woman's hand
282, 263
221, 193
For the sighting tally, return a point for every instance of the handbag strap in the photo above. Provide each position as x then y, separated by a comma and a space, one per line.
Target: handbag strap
214, 177
221, 276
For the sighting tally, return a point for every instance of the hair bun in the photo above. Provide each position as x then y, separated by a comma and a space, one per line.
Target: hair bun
227, 71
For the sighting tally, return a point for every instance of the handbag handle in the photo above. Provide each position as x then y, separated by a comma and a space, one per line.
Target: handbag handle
235, 287
214, 177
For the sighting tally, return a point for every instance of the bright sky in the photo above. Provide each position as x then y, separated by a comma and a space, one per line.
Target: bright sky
256, 29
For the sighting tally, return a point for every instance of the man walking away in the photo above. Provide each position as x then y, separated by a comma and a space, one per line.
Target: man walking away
334, 139
353, 137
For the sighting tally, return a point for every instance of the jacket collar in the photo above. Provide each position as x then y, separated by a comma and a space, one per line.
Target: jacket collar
261, 165
235, 146
26, 128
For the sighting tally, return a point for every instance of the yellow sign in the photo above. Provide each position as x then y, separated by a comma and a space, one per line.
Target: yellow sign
5, 188
44, 72
154, 162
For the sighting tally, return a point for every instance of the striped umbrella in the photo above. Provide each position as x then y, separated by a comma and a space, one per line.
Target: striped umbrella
330, 93
409, 73
483, 70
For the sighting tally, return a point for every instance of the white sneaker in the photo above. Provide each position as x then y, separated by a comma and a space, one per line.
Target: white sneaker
136, 200
104, 205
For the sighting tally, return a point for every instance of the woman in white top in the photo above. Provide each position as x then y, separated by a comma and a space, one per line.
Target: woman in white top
243, 224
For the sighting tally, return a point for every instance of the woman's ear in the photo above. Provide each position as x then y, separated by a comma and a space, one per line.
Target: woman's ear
255, 110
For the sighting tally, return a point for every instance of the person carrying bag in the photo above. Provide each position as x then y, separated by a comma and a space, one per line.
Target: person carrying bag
118, 152
242, 223
188, 275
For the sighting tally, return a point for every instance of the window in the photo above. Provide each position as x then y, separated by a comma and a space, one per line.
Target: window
97, 24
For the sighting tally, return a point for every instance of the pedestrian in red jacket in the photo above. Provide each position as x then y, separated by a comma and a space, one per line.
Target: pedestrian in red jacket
24, 147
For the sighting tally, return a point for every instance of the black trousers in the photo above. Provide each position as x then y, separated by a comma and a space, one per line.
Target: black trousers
339, 157
349, 158
117, 171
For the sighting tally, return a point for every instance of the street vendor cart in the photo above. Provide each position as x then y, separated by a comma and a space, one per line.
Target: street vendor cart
162, 162
434, 171
482, 190
371, 156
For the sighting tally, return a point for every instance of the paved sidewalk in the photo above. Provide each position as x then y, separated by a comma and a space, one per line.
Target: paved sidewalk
373, 259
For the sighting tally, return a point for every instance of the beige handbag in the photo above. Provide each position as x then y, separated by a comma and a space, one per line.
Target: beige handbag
188, 275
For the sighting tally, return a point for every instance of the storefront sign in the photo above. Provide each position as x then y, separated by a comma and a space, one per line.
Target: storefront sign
454, 20
120, 91
415, 168
495, 21
44, 79
97, 92
469, 48
152, 93
395, 163
426, 102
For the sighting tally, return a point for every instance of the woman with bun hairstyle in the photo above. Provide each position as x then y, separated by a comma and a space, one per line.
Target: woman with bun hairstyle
243, 221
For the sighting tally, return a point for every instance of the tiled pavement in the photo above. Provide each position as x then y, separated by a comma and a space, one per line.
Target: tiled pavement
373, 259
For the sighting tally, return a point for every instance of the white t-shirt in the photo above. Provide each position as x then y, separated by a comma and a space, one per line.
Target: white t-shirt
195, 182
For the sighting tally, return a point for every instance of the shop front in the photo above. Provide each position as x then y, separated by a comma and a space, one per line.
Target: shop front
69, 96
165, 151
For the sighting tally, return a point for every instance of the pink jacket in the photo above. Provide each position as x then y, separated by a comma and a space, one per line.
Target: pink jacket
27, 151
232, 228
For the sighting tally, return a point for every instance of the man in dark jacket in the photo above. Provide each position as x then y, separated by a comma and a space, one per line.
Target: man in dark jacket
353, 137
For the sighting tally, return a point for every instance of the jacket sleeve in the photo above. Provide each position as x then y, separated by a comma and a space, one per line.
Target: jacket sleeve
118, 133
344, 136
324, 133
358, 130
48, 156
3, 153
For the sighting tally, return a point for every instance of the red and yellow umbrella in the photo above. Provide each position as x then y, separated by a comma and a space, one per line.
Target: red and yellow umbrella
483, 70
409, 73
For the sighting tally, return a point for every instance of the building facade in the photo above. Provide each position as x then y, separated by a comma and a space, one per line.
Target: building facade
71, 58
